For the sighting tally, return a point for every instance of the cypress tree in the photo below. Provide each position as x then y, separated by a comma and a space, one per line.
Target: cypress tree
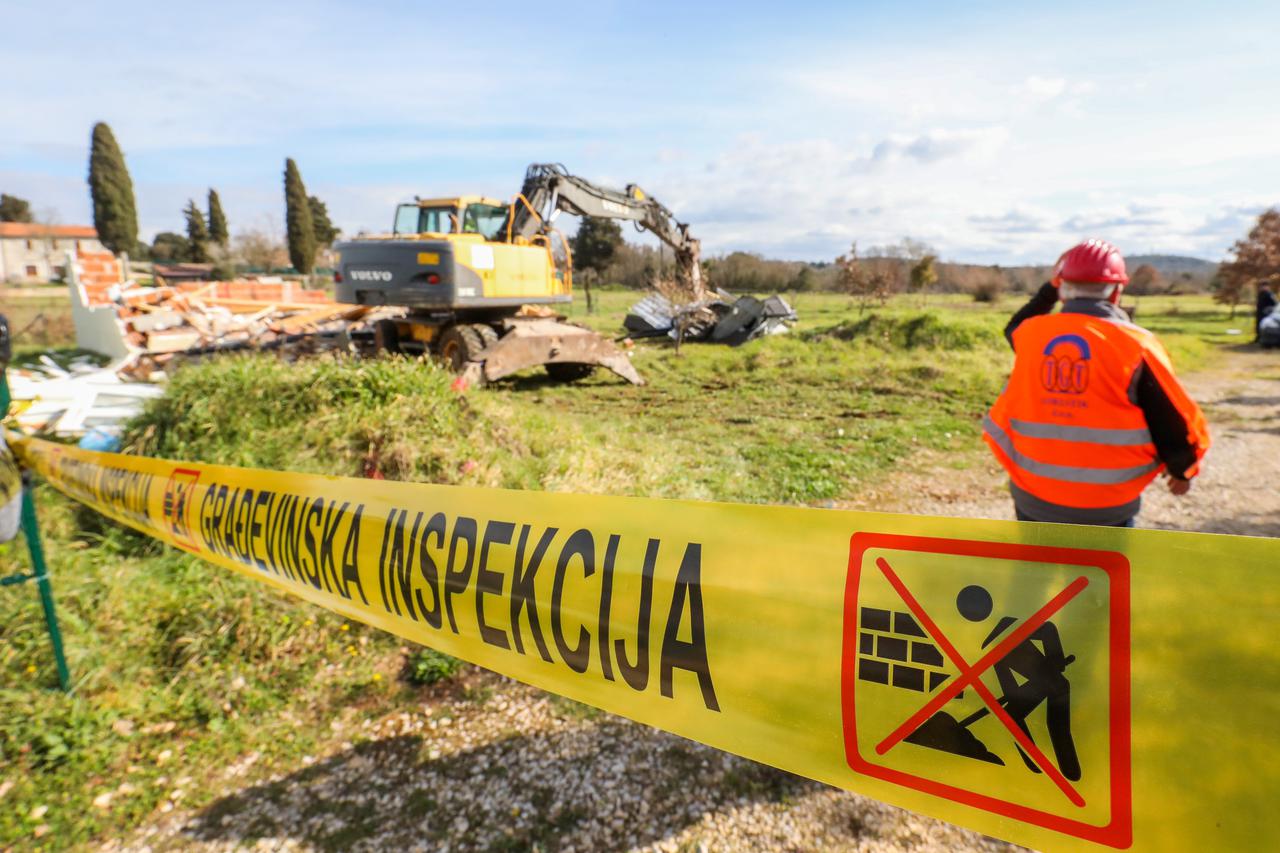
323, 226
115, 213
298, 225
197, 234
217, 221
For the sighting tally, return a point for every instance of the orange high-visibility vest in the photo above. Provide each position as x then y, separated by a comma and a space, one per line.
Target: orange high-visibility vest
1066, 427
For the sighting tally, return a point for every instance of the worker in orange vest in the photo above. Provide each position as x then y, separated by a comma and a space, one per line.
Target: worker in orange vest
1092, 412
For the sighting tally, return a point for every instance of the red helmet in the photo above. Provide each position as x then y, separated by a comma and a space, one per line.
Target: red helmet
1091, 262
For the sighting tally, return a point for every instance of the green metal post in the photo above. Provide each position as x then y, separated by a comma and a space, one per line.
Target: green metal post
31, 531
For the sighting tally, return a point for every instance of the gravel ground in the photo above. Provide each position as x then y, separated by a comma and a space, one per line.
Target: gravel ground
526, 771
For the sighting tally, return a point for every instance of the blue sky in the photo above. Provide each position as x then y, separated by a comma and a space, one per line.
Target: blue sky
997, 132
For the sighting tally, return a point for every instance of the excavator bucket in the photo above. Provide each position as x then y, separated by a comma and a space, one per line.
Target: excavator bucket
534, 342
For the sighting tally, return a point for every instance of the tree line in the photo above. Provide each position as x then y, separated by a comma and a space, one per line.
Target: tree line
908, 266
601, 255
206, 236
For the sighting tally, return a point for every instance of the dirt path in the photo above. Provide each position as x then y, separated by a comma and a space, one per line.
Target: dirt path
521, 770
1239, 491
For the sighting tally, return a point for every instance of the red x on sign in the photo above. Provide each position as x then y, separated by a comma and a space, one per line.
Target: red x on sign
1050, 630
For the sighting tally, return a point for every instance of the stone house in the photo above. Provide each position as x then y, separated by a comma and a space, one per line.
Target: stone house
31, 252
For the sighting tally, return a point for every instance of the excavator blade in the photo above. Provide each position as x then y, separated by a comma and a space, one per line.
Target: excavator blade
538, 341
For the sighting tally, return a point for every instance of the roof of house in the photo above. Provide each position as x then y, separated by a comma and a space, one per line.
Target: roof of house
29, 230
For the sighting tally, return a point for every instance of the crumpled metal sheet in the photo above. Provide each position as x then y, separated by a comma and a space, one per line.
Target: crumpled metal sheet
723, 319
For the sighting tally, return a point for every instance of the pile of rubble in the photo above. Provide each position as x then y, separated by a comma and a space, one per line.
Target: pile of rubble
142, 330
723, 319
76, 400
149, 326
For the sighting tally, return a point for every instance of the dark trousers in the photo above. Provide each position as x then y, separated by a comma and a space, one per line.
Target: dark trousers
1128, 522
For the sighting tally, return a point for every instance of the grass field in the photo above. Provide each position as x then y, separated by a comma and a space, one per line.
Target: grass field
186, 673
39, 322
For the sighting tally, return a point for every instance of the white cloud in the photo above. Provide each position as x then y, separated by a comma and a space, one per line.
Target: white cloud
1016, 221
1043, 88
942, 144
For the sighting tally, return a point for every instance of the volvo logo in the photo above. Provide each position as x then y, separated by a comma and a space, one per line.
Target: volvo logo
369, 275
1065, 368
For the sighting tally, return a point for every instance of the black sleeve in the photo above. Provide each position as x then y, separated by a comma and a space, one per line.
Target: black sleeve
1168, 427
1042, 303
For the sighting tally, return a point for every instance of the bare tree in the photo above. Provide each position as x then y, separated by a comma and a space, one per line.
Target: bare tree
260, 248
54, 254
862, 279
1145, 281
1256, 261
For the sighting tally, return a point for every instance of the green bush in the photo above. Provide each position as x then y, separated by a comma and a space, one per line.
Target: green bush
427, 666
396, 417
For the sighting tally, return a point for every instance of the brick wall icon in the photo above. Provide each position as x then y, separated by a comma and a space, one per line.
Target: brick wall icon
894, 650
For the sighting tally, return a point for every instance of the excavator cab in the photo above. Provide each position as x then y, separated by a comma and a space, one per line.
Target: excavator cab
485, 219
413, 219
466, 215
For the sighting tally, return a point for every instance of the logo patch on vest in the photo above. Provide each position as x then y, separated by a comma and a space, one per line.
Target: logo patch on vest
1065, 368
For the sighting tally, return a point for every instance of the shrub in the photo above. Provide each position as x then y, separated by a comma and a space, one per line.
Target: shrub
330, 415
989, 290
427, 666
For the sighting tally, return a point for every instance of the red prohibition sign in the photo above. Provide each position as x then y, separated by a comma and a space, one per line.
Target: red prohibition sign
970, 675
1117, 831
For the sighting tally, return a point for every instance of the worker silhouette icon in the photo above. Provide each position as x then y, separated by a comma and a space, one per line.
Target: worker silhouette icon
1031, 674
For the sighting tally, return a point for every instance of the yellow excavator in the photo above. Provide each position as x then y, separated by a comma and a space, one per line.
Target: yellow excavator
476, 280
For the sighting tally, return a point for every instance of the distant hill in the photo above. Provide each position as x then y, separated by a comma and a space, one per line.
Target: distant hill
1171, 266
1178, 274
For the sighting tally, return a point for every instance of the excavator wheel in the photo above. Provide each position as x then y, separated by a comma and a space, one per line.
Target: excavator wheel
459, 345
566, 372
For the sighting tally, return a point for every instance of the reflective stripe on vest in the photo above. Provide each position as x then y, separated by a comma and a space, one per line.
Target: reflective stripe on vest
1091, 435
1065, 473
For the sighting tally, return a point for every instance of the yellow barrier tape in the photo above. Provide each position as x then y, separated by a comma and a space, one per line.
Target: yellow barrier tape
1061, 687
10, 476
10, 491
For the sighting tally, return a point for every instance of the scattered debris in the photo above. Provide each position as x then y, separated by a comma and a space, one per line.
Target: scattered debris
77, 400
142, 330
724, 319
150, 326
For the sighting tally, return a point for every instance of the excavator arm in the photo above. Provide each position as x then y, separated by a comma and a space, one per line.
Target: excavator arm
549, 188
